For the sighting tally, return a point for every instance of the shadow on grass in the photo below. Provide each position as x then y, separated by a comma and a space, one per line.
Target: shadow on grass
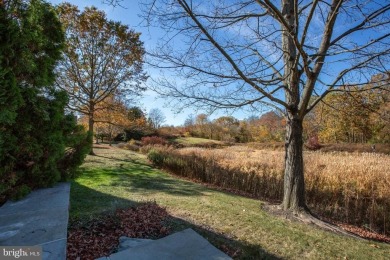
99, 147
86, 202
234, 248
122, 160
88, 205
140, 177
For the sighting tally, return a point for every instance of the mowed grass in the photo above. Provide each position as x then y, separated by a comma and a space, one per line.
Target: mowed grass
190, 141
120, 178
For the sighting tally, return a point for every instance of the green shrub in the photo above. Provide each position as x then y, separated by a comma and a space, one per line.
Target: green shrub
156, 157
78, 145
21, 192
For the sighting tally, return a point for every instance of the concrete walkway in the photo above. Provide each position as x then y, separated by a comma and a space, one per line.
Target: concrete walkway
186, 244
39, 219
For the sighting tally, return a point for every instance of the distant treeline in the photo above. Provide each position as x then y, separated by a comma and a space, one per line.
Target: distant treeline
358, 116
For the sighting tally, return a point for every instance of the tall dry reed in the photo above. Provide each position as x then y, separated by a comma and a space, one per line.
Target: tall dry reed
353, 188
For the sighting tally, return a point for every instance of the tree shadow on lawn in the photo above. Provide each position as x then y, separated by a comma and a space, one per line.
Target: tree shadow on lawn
89, 205
234, 248
139, 177
86, 202
121, 160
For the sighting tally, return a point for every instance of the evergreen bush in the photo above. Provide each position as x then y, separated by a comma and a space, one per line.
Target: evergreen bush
34, 130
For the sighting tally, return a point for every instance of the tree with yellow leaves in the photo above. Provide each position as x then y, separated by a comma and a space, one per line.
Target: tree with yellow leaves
102, 58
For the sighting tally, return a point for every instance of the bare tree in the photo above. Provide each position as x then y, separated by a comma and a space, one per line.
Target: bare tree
189, 121
114, 3
288, 55
156, 118
102, 58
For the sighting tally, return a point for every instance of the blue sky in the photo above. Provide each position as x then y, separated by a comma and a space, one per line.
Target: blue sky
129, 15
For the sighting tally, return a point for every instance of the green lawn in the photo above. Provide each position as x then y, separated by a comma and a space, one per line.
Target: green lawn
190, 141
120, 178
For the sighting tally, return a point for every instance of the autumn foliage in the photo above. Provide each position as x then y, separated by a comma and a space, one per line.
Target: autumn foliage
153, 140
110, 65
110, 118
101, 236
359, 116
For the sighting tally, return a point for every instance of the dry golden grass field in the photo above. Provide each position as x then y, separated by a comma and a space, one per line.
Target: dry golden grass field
350, 187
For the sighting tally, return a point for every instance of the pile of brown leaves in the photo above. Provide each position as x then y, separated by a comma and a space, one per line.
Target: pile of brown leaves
359, 231
364, 233
100, 237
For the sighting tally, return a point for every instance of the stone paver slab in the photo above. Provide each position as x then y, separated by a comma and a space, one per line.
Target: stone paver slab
33, 228
41, 218
42, 199
186, 244
55, 250
127, 242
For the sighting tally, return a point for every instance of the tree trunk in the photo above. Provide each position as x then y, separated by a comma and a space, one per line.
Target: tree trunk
294, 184
90, 129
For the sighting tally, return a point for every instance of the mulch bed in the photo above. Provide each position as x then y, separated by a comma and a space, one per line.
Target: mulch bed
100, 237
